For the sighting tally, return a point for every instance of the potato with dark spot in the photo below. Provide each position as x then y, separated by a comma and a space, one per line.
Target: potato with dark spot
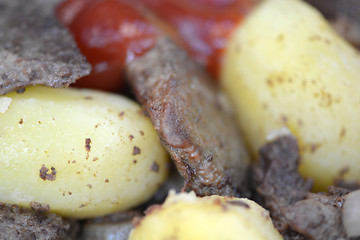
77, 169
185, 216
286, 67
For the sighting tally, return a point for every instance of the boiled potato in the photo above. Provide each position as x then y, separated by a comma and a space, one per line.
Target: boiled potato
286, 67
185, 217
82, 152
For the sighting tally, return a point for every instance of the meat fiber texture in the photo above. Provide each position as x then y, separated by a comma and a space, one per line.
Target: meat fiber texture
192, 118
35, 48
296, 213
18, 223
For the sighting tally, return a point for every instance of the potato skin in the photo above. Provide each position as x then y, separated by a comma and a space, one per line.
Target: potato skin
185, 216
286, 67
84, 153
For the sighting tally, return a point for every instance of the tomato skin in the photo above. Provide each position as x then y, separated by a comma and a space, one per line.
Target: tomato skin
204, 26
109, 33
112, 32
69, 9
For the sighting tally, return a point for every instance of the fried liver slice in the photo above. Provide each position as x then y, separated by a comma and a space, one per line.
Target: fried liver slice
192, 119
35, 48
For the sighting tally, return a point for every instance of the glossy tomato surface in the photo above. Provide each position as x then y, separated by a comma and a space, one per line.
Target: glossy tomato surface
111, 33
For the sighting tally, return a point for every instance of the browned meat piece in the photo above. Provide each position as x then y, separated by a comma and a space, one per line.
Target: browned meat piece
34, 48
189, 115
17, 223
277, 178
296, 213
315, 219
319, 215
334, 197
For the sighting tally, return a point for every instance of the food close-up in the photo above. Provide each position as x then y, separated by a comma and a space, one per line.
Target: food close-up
194, 119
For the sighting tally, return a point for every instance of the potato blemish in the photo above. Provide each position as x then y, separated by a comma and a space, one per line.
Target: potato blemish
44, 175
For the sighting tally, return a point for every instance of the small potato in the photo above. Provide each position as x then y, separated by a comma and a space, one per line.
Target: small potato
286, 67
185, 217
82, 152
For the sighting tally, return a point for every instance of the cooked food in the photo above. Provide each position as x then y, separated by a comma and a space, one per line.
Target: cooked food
84, 153
185, 108
192, 119
286, 67
185, 216
110, 33
34, 48
295, 211
316, 217
113, 32
276, 177
19, 223
202, 27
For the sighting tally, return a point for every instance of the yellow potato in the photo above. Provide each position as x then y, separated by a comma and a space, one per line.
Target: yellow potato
286, 67
82, 152
186, 217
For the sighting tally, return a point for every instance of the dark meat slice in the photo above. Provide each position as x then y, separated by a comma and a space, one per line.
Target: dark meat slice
296, 213
34, 48
319, 215
334, 197
277, 178
18, 223
191, 119
315, 219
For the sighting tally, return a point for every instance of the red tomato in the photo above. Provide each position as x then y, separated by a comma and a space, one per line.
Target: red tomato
204, 26
68, 10
109, 33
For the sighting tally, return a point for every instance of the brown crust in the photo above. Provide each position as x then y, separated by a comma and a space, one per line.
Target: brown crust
193, 124
277, 180
296, 213
315, 219
34, 48
19, 223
